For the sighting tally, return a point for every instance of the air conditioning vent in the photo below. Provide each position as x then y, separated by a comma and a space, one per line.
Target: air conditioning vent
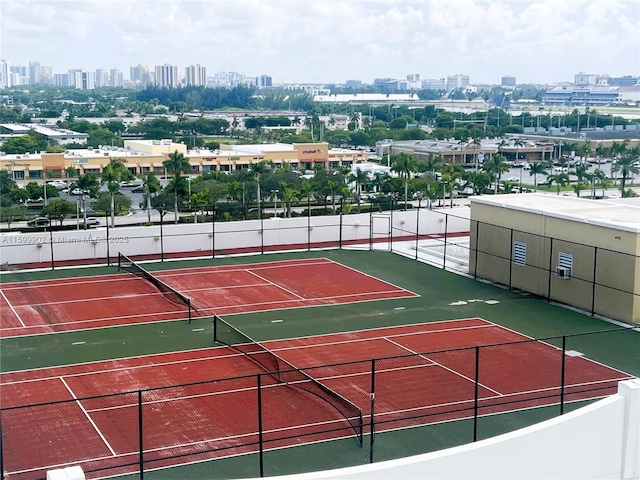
563, 272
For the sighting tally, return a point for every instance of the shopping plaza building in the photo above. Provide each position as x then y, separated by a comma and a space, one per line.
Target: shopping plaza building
144, 156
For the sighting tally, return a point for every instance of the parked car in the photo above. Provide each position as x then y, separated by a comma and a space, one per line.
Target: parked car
139, 189
91, 222
38, 222
78, 191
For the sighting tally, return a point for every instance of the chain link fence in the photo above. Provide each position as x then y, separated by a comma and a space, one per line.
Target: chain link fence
267, 424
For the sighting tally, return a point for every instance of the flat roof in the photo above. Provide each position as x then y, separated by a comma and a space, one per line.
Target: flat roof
603, 213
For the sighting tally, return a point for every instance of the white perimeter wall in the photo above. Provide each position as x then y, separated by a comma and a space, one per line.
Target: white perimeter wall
599, 441
19, 248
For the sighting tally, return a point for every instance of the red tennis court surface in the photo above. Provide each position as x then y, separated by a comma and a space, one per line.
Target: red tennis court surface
124, 299
187, 423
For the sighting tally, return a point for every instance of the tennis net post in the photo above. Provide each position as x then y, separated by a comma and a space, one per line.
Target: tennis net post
127, 265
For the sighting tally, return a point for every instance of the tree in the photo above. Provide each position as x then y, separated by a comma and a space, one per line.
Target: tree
537, 168
476, 147
259, 169
59, 209
495, 167
560, 179
88, 183
334, 189
628, 166
151, 185
289, 194
359, 177
112, 174
234, 190
7, 214
517, 142
404, 164
176, 164
197, 201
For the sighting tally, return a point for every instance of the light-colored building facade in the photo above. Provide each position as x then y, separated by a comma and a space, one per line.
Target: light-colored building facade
166, 76
195, 75
579, 252
144, 156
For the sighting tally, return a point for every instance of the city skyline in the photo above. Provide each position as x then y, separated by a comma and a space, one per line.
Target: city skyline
331, 42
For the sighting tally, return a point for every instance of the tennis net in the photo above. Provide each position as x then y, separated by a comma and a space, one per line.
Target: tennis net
171, 294
286, 373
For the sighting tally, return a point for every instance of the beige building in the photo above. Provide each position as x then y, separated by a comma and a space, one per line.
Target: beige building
579, 252
144, 156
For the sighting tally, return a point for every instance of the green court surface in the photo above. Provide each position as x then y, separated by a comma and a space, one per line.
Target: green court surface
442, 296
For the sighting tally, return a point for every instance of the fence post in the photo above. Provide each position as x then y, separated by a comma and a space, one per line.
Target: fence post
370, 230
593, 288
475, 395
511, 260
213, 232
444, 251
550, 269
1, 449
140, 435
391, 226
372, 397
340, 234
106, 221
562, 373
418, 225
260, 439
51, 244
308, 224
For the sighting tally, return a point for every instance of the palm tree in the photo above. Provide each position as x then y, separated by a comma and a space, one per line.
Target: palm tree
360, 178
334, 189
150, 185
560, 179
495, 168
176, 164
404, 164
289, 194
307, 190
479, 181
577, 188
379, 179
86, 183
432, 164
628, 166
234, 190
537, 168
476, 145
198, 200
517, 142
112, 174
258, 170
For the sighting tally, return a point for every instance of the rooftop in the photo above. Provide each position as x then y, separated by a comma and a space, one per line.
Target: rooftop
619, 215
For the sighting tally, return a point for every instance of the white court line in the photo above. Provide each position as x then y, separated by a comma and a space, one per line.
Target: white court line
89, 418
12, 309
446, 368
278, 286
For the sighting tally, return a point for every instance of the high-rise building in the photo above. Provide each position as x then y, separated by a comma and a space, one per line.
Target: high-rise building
195, 75
35, 73
457, 81
264, 81
75, 78
139, 75
101, 78
508, 81
116, 78
61, 79
167, 76
5, 80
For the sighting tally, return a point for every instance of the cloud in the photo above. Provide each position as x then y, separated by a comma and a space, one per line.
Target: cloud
330, 40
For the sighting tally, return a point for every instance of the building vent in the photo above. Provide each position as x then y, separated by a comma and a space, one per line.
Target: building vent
520, 253
565, 264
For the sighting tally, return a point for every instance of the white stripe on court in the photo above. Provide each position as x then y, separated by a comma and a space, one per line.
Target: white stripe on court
89, 418
12, 309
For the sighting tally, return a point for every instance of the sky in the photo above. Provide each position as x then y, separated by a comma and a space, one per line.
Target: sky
331, 41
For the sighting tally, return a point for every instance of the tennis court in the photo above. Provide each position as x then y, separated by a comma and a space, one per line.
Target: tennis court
97, 431
123, 299
391, 343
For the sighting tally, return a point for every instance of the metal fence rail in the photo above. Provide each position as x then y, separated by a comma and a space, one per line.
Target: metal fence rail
264, 423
